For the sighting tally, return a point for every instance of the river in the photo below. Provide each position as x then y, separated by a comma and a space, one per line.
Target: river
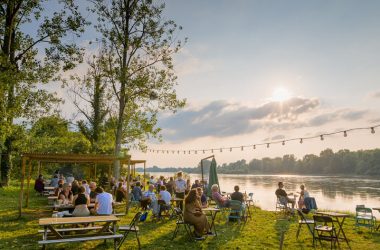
330, 192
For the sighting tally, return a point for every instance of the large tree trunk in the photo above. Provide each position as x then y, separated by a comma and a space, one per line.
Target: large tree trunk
5, 162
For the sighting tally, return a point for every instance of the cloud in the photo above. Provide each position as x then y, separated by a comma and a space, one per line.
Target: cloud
376, 94
345, 114
223, 119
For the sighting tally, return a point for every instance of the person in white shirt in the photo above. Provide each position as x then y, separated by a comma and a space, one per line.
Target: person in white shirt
151, 197
180, 188
164, 199
103, 202
151, 180
86, 187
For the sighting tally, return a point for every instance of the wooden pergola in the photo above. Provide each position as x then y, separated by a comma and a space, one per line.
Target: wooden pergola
29, 158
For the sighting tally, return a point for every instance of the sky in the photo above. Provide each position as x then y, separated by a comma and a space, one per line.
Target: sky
260, 71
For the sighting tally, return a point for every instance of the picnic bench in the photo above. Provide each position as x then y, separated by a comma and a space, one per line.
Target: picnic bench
54, 235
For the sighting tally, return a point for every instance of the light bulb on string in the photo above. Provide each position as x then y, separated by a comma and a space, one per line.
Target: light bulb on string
254, 146
345, 133
322, 138
267, 145
283, 143
196, 152
167, 151
301, 140
184, 152
173, 151
203, 151
242, 148
230, 149
189, 151
372, 130
212, 150
178, 152
221, 150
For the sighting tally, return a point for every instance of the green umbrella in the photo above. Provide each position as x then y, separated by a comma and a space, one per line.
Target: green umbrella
212, 177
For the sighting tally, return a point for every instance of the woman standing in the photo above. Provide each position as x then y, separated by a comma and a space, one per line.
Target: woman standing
81, 202
193, 214
303, 194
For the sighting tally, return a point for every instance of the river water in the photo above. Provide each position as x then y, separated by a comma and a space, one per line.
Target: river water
330, 192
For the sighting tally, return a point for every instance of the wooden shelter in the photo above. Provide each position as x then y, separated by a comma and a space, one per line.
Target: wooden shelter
29, 158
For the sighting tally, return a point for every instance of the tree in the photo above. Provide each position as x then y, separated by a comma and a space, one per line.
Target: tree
31, 56
90, 95
140, 46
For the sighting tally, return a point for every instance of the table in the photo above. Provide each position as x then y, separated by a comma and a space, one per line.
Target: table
103, 232
213, 212
49, 188
70, 206
377, 209
336, 217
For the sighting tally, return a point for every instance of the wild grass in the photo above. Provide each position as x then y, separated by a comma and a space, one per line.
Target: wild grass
262, 231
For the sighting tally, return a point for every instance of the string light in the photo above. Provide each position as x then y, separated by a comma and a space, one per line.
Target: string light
321, 137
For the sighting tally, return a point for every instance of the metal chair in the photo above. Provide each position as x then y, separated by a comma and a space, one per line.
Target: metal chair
324, 229
303, 221
281, 204
237, 211
132, 227
180, 221
364, 217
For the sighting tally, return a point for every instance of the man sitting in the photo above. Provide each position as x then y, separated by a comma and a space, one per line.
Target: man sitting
103, 202
218, 198
238, 196
164, 199
283, 196
92, 191
149, 198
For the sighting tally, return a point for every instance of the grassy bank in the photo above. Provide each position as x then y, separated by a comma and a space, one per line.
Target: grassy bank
263, 231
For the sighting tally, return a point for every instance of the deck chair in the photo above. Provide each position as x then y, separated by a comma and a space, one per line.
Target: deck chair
132, 227
303, 221
237, 211
324, 229
281, 204
364, 217
181, 222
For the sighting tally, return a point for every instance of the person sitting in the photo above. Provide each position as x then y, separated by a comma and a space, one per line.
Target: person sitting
93, 193
54, 181
137, 192
237, 196
149, 198
66, 195
165, 198
39, 185
202, 197
196, 184
193, 214
81, 202
282, 195
74, 187
103, 202
151, 180
218, 198
59, 188
121, 194
70, 179
303, 194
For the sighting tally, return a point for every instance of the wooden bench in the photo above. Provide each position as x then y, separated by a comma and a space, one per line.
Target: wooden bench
68, 240
72, 229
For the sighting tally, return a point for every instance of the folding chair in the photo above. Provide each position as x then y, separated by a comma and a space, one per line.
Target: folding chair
237, 211
364, 217
130, 228
303, 221
180, 221
281, 204
324, 229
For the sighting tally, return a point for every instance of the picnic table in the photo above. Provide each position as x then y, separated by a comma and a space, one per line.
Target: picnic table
212, 211
53, 235
69, 206
49, 188
377, 209
339, 219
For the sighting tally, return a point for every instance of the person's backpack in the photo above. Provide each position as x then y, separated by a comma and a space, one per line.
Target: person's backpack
143, 216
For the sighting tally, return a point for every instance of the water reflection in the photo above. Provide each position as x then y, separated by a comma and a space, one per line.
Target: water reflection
336, 193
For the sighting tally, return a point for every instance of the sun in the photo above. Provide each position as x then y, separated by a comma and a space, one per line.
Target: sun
280, 94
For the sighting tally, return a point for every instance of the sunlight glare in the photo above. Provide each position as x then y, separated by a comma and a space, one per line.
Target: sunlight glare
280, 94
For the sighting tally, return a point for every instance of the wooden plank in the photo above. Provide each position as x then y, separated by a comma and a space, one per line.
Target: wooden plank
101, 237
57, 234
72, 229
77, 220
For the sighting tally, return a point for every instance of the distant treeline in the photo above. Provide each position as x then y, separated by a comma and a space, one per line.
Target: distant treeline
343, 162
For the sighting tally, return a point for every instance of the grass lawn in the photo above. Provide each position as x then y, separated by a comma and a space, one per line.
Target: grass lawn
263, 231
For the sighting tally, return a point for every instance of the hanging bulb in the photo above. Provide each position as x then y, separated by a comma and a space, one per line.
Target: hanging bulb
173, 151
254, 146
301, 140
267, 145
167, 151
178, 152
196, 152
322, 138
372, 130
184, 152
203, 151
212, 150
221, 150
345, 133
230, 149
189, 151
242, 148
283, 143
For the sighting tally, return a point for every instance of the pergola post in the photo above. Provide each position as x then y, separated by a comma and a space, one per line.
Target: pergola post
22, 186
38, 168
144, 176
128, 185
30, 166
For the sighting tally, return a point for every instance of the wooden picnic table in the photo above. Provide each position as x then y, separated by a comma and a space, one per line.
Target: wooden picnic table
213, 211
377, 209
52, 234
339, 219
70, 206
49, 188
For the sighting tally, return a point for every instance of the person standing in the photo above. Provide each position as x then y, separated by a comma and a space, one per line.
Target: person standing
180, 188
